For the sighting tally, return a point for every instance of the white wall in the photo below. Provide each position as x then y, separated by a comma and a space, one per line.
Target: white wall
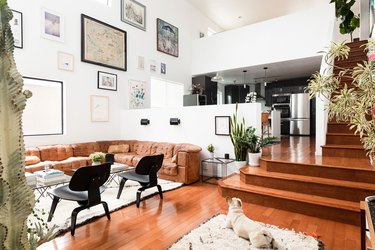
197, 125
299, 35
38, 59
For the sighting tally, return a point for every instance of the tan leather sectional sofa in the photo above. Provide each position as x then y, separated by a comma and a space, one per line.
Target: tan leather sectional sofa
181, 160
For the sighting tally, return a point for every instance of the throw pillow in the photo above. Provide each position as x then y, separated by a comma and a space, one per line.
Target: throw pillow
122, 148
174, 159
31, 159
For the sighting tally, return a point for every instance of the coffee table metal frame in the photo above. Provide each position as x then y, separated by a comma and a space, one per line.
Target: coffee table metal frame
215, 162
42, 188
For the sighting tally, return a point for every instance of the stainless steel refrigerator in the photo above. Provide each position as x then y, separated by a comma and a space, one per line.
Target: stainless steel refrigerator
300, 114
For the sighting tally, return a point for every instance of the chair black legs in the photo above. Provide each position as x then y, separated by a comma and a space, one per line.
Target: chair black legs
139, 192
53, 208
105, 205
160, 191
122, 184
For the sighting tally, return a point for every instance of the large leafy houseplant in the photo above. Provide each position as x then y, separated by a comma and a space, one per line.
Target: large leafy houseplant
349, 21
356, 104
255, 142
238, 136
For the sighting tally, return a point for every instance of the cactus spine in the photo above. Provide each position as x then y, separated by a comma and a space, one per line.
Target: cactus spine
16, 198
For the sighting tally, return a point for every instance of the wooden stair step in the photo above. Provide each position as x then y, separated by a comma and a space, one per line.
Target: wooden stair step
350, 151
343, 139
350, 169
353, 57
332, 188
322, 207
341, 127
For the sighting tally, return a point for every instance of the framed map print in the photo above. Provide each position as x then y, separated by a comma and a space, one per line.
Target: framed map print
167, 38
99, 106
102, 44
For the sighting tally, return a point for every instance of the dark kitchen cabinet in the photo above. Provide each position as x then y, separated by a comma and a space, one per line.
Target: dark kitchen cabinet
236, 93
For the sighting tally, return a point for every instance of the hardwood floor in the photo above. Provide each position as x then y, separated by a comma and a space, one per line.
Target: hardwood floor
157, 224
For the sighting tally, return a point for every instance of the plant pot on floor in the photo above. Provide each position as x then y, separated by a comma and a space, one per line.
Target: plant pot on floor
254, 158
239, 164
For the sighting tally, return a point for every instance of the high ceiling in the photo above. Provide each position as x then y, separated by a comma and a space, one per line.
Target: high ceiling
230, 14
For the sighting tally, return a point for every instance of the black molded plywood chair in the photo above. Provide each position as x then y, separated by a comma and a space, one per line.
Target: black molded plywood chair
85, 188
145, 173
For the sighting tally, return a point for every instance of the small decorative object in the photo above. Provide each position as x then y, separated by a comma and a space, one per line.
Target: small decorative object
201, 34
65, 61
167, 38
99, 108
211, 149
102, 44
16, 24
197, 89
356, 104
107, 81
163, 68
226, 156
97, 158
133, 13
141, 63
238, 138
222, 125
251, 97
52, 25
137, 94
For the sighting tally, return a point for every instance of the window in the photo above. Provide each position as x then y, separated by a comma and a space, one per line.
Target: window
43, 114
166, 93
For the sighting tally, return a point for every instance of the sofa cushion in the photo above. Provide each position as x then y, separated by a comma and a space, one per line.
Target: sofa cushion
31, 159
162, 148
55, 152
32, 151
169, 168
70, 163
142, 148
122, 148
85, 148
125, 158
136, 160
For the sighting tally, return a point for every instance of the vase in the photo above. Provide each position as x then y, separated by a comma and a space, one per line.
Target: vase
95, 163
254, 158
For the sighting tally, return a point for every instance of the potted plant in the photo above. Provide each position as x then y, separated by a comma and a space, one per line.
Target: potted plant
349, 21
266, 144
238, 137
353, 105
211, 149
255, 143
97, 158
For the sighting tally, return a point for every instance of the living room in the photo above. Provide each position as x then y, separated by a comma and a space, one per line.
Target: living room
135, 98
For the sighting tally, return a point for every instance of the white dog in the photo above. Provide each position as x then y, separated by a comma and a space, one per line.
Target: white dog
246, 228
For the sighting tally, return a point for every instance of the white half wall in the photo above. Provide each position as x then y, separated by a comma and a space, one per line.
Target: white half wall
38, 59
295, 36
197, 125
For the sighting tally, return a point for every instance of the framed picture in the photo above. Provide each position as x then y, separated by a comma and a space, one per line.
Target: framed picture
152, 66
65, 61
163, 68
167, 38
16, 24
102, 44
222, 125
141, 63
99, 106
137, 94
107, 81
52, 25
133, 13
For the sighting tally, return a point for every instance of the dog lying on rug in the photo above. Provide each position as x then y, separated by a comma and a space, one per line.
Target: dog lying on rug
246, 228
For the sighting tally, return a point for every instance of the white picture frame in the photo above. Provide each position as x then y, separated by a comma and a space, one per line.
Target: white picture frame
65, 61
52, 27
16, 24
222, 125
153, 66
133, 13
141, 63
99, 107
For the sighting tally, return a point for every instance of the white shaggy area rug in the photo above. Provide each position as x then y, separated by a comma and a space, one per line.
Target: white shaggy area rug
214, 235
64, 208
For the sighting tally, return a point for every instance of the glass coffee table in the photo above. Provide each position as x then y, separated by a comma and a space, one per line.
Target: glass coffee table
214, 164
42, 188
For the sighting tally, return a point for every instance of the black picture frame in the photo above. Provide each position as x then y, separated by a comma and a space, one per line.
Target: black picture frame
107, 81
97, 29
222, 125
19, 16
167, 38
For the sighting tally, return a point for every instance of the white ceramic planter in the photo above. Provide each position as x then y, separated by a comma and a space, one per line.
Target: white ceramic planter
95, 163
239, 164
254, 158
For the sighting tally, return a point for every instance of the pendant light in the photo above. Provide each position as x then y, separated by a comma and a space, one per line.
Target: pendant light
244, 79
265, 76
217, 78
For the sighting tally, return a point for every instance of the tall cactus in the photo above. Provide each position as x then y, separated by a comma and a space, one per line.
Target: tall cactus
16, 198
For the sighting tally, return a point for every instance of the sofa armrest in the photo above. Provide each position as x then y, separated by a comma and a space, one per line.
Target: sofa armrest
186, 147
190, 163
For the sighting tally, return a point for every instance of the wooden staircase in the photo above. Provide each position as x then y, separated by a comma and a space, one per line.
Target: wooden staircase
327, 187
340, 141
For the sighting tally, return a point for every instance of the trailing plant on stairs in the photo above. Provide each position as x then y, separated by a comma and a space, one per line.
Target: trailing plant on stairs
16, 197
238, 136
350, 104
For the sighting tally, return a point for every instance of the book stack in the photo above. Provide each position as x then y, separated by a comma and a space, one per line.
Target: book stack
30, 179
50, 177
